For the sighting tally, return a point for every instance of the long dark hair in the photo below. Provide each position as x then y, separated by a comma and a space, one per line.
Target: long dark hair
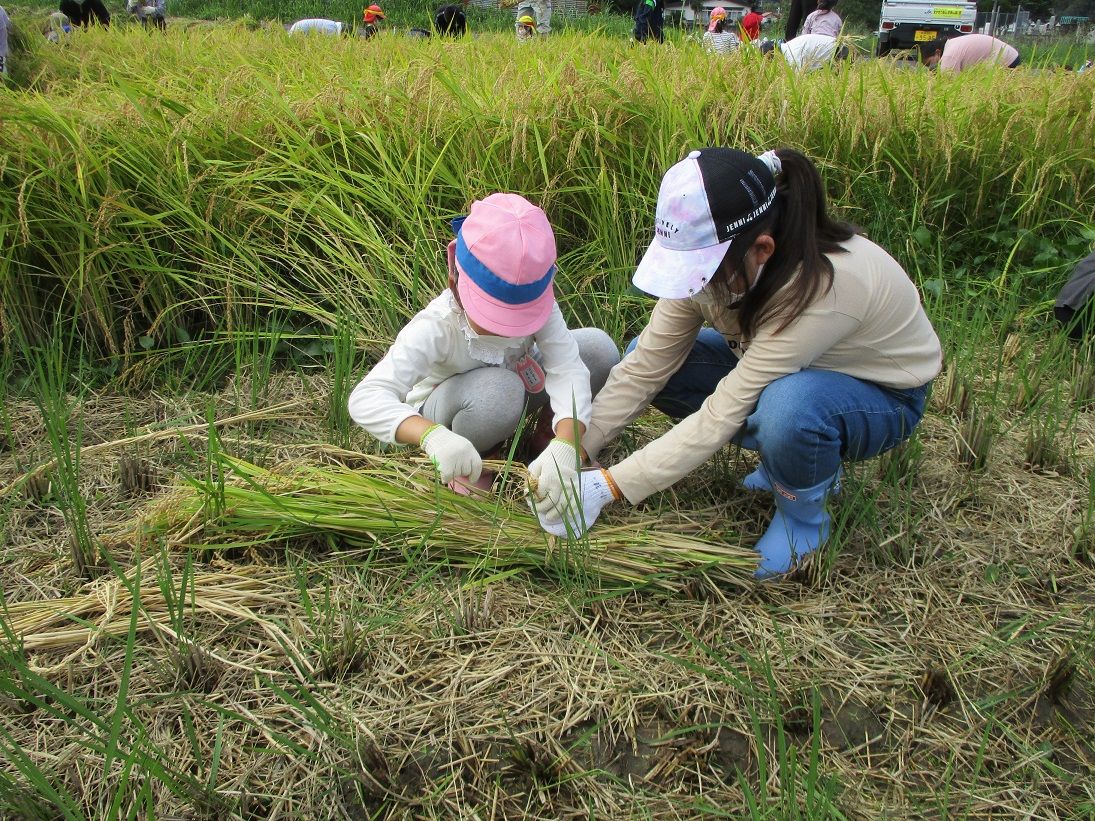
804, 234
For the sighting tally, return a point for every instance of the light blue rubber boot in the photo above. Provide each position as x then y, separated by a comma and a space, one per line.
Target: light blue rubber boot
799, 527
760, 482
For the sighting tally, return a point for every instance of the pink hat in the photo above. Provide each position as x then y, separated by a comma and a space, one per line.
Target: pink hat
717, 13
706, 201
505, 253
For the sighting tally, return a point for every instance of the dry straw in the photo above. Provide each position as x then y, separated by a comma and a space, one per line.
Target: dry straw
396, 506
103, 608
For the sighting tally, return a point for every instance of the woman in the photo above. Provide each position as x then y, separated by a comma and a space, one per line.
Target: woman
818, 349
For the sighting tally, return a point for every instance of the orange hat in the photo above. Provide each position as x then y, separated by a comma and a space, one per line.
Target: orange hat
373, 12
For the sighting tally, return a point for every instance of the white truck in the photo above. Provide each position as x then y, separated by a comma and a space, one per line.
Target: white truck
904, 23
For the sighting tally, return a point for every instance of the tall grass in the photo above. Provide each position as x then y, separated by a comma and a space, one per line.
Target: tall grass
164, 189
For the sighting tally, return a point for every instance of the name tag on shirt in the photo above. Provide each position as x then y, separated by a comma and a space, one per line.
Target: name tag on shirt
532, 375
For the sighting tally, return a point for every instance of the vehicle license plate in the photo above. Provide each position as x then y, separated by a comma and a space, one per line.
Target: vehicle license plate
925, 36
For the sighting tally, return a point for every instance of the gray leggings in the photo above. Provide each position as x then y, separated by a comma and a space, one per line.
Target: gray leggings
485, 405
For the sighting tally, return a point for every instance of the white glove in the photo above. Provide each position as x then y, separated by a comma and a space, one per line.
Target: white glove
452, 454
556, 474
577, 515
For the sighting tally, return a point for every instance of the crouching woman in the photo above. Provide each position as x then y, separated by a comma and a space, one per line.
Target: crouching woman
777, 328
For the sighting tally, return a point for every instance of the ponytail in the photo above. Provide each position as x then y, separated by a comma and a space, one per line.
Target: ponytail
798, 272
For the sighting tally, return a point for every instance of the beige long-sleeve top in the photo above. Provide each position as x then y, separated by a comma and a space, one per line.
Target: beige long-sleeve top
869, 325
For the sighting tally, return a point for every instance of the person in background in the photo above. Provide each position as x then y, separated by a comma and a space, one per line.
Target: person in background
751, 23
1075, 305
778, 329
5, 24
461, 373
648, 20
58, 28
370, 21
542, 11
85, 12
809, 52
450, 21
149, 11
959, 53
824, 20
719, 38
320, 25
525, 27
797, 10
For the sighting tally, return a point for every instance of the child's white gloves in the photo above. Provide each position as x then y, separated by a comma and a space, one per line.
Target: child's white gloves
556, 474
577, 513
452, 454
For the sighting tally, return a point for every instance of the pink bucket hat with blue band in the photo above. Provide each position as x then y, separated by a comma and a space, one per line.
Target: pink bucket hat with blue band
505, 253
706, 200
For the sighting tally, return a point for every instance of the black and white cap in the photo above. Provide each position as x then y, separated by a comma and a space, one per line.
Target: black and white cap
705, 201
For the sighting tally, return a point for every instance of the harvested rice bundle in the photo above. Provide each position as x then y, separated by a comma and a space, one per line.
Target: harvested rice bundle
398, 505
103, 608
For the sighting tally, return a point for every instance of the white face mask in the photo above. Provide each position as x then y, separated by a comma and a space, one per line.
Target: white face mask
709, 297
737, 296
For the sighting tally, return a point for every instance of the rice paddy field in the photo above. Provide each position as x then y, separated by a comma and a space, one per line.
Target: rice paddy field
221, 600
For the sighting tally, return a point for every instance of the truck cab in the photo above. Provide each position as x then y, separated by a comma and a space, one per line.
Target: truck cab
905, 23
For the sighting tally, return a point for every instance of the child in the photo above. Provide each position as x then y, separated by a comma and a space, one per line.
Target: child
526, 27
459, 375
370, 21
818, 350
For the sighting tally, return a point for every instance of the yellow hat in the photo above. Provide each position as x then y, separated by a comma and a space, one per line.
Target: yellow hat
526, 20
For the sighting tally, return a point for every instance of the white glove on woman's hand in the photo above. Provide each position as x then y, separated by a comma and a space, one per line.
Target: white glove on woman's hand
576, 515
556, 474
452, 454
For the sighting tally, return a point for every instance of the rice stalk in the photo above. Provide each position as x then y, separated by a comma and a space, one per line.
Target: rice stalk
397, 506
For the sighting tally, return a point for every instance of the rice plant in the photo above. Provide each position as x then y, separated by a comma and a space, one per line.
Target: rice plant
381, 503
330, 197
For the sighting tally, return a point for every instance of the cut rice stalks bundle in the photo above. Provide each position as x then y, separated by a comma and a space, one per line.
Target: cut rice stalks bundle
103, 608
397, 505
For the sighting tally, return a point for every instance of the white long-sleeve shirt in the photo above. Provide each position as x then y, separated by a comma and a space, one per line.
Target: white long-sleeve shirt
869, 325
316, 25
434, 346
808, 51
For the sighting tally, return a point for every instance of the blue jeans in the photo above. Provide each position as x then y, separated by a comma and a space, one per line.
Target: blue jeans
804, 423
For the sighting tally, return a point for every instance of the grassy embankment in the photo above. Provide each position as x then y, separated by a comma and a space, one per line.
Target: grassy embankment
208, 236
